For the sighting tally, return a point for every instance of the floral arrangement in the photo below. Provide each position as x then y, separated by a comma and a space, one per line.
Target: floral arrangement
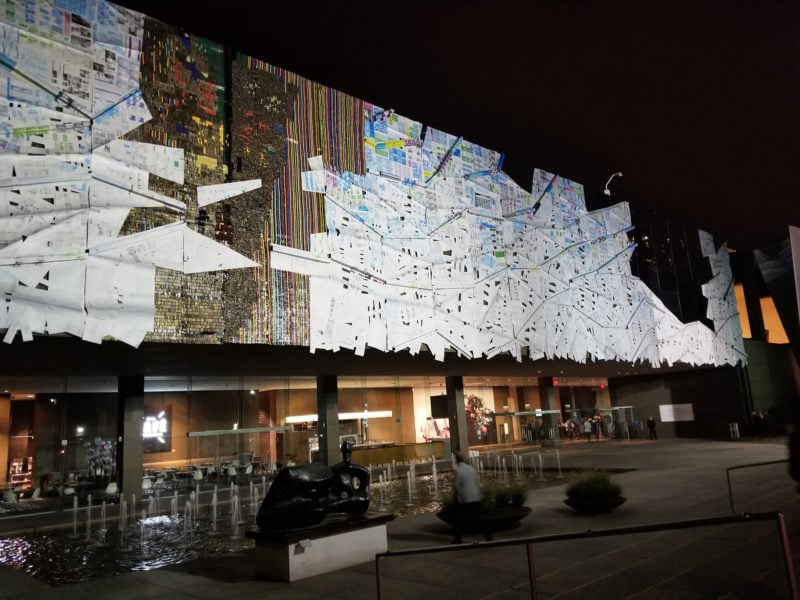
101, 457
477, 411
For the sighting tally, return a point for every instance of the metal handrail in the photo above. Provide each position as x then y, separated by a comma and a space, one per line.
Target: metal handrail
557, 537
758, 464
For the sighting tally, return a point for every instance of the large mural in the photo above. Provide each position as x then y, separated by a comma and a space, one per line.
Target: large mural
156, 187
72, 260
435, 248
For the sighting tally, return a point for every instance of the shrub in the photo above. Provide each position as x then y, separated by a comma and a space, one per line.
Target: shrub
448, 500
498, 496
502, 497
594, 486
494, 498
519, 493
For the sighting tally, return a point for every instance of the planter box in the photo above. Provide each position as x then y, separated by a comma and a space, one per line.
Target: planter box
489, 522
595, 506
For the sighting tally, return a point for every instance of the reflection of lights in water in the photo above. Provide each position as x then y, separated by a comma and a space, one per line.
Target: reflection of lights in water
427, 496
13, 551
155, 520
59, 559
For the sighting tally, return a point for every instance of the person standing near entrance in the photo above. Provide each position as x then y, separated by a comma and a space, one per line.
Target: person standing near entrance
651, 425
466, 493
587, 429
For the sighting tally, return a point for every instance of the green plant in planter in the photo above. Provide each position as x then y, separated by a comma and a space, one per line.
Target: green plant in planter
502, 498
498, 497
519, 494
501, 508
488, 499
594, 492
447, 500
495, 498
594, 486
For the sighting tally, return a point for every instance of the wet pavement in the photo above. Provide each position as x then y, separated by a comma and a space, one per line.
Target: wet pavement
665, 481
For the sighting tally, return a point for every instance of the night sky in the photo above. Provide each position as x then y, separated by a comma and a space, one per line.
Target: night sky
696, 102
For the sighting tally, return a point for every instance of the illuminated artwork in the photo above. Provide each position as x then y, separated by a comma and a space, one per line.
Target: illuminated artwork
152, 191
435, 248
68, 182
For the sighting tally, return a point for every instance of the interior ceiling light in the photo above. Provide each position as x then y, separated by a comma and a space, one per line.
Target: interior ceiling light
345, 416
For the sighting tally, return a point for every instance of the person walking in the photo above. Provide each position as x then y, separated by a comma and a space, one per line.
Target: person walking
467, 495
651, 425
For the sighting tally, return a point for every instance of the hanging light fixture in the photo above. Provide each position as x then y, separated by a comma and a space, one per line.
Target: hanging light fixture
607, 191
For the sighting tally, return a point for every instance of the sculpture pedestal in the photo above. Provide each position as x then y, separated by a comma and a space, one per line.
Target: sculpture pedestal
294, 554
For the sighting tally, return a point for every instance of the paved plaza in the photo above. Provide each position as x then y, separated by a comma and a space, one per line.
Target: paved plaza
668, 480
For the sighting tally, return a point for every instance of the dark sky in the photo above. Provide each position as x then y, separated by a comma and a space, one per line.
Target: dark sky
696, 102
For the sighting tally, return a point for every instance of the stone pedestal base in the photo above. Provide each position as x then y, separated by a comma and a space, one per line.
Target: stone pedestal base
295, 554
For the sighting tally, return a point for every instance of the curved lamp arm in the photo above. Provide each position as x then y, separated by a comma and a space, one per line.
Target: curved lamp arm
606, 191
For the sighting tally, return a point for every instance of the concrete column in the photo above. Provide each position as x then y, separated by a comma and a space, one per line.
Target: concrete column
522, 399
328, 423
5, 424
549, 400
130, 446
273, 421
47, 438
454, 386
514, 405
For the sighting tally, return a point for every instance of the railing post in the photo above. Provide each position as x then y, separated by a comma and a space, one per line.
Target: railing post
531, 571
730, 489
787, 557
794, 594
758, 464
378, 576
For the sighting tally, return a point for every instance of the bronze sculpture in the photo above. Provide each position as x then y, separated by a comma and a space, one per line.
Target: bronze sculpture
303, 496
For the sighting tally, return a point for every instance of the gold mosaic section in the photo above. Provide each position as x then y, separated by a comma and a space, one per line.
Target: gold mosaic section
182, 81
187, 307
261, 106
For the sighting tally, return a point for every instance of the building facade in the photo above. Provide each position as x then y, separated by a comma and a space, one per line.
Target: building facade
206, 257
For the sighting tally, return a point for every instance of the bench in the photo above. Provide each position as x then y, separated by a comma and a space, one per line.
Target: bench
336, 543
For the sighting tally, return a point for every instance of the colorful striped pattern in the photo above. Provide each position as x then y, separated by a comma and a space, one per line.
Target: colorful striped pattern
254, 330
328, 123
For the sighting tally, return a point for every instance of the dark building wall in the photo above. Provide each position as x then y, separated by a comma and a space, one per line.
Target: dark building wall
579, 398
668, 259
716, 396
776, 265
21, 442
772, 369
717, 400
772, 384
48, 429
644, 394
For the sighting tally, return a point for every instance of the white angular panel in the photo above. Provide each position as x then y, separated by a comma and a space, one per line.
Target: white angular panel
208, 194
448, 253
70, 85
